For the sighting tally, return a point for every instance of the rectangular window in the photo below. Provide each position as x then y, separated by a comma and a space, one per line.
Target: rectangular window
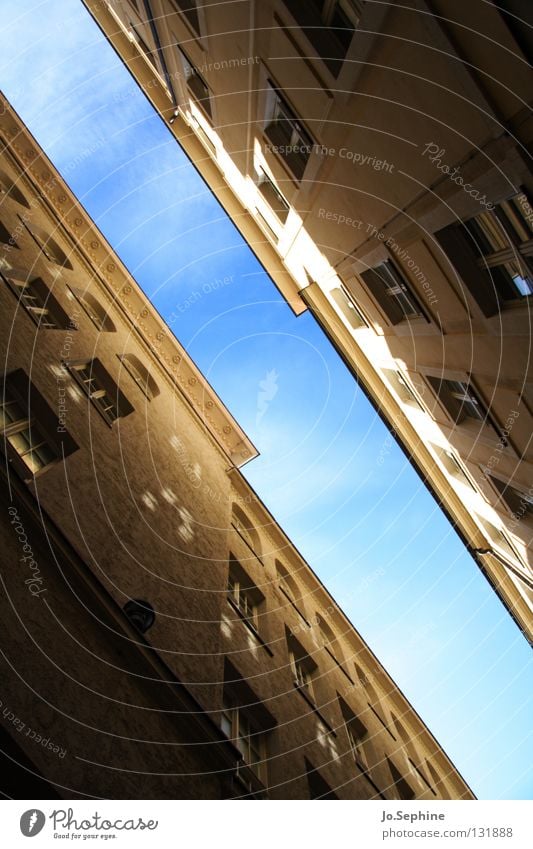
403, 788
303, 667
459, 399
329, 25
38, 301
238, 725
493, 253
6, 238
357, 734
392, 292
348, 308
49, 247
190, 11
196, 83
286, 134
518, 502
273, 196
453, 465
150, 54
101, 389
303, 675
33, 438
402, 387
244, 595
318, 786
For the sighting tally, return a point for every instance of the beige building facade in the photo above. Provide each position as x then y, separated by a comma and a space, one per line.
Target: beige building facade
162, 638
376, 157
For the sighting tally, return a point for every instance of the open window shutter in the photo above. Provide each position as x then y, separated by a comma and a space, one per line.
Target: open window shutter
378, 288
461, 254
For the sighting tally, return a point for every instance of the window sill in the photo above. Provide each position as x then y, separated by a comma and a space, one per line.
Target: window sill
250, 627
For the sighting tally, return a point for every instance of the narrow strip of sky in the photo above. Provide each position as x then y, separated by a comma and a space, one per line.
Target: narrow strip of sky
328, 469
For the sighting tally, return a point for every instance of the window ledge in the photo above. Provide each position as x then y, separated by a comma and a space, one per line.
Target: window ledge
250, 627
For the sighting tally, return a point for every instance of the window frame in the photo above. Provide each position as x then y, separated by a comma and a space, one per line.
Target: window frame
244, 596
183, 13
480, 264
48, 246
518, 250
389, 298
348, 306
46, 304
276, 97
18, 390
500, 487
316, 25
242, 726
103, 323
85, 372
190, 71
264, 179
145, 383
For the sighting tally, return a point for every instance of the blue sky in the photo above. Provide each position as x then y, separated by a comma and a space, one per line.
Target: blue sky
329, 472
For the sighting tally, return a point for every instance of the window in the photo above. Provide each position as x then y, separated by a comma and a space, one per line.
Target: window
246, 530
6, 238
150, 55
246, 721
249, 740
47, 245
357, 734
329, 25
190, 12
303, 667
327, 738
287, 137
318, 786
196, 84
453, 465
329, 641
519, 503
493, 253
140, 613
94, 310
373, 700
140, 375
459, 399
33, 438
100, 388
401, 386
499, 538
348, 308
273, 196
417, 773
38, 301
392, 292
244, 595
303, 672
403, 788
9, 189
